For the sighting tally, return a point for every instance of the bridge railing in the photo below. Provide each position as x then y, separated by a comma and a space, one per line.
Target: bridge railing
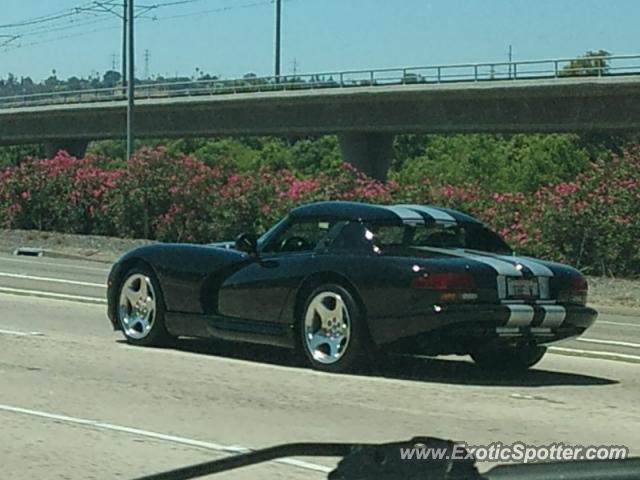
432, 74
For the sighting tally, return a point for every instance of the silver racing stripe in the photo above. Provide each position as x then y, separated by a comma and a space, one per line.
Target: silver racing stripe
554, 315
435, 213
501, 267
520, 315
536, 268
406, 214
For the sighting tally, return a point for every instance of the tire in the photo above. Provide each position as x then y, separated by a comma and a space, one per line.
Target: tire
140, 309
508, 359
333, 333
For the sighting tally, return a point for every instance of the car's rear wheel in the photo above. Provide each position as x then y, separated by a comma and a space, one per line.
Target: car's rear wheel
141, 309
333, 332
509, 359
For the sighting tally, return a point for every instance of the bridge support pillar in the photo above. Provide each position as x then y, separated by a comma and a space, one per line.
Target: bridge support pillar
75, 148
367, 151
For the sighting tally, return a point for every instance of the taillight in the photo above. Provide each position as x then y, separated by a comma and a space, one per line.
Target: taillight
576, 292
450, 286
444, 281
579, 284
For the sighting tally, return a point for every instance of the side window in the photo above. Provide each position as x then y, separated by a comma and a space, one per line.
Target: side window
388, 235
353, 236
356, 236
299, 237
440, 236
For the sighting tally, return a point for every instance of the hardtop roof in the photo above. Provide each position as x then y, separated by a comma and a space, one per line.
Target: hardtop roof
401, 213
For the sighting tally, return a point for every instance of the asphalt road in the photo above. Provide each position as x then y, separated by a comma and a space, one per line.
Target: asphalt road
78, 402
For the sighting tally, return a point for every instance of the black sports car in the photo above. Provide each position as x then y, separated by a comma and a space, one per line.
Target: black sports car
343, 281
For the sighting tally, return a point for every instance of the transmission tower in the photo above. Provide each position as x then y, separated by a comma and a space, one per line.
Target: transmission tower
147, 55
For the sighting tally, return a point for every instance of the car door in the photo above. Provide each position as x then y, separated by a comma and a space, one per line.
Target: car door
259, 290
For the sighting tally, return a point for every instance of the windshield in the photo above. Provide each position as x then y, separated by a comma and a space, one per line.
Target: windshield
264, 238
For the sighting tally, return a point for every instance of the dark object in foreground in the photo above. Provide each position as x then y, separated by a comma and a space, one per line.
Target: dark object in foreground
343, 281
384, 462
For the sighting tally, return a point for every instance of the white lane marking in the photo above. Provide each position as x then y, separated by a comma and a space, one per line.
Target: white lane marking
233, 449
596, 354
624, 324
435, 213
520, 315
43, 294
21, 276
406, 214
501, 267
20, 334
554, 315
615, 343
53, 264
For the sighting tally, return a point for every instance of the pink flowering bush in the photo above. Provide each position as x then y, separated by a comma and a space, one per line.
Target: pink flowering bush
63, 193
594, 221
591, 222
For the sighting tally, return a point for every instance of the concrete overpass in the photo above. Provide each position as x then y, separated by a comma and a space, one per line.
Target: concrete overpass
364, 117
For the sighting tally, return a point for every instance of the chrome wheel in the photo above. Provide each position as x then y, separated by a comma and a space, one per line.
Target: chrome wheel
327, 327
137, 306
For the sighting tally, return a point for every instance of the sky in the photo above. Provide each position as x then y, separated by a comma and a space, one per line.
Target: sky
230, 38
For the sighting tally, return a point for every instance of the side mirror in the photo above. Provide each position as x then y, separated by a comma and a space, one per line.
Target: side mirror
247, 242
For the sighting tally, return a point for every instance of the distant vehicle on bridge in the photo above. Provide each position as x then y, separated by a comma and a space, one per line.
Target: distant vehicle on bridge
342, 282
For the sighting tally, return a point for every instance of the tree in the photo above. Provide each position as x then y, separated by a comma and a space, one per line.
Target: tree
51, 82
74, 83
111, 78
593, 63
14, 154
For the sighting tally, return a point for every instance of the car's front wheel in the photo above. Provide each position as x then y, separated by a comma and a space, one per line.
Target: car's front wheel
333, 332
141, 309
508, 359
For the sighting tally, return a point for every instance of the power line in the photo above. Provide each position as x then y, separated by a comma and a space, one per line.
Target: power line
73, 24
214, 10
44, 18
62, 26
9, 39
170, 4
95, 7
63, 37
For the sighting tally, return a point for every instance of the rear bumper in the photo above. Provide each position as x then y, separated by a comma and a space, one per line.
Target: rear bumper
538, 323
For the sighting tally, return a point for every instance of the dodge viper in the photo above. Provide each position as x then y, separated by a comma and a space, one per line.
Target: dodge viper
343, 282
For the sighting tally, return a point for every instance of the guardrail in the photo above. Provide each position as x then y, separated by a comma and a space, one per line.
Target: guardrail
433, 74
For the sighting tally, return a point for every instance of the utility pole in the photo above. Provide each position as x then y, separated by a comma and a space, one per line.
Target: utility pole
124, 44
131, 74
510, 59
113, 61
278, 38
